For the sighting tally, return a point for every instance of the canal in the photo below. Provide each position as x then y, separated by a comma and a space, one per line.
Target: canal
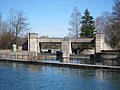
19, 76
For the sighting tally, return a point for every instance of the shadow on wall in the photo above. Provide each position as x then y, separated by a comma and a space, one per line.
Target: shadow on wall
25, 45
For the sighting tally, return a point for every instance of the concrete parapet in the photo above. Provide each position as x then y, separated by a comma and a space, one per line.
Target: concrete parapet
24, 55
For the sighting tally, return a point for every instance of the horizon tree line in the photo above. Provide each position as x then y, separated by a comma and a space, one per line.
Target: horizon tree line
107, 23
13, 28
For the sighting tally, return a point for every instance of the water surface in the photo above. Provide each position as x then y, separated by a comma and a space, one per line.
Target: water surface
18, 76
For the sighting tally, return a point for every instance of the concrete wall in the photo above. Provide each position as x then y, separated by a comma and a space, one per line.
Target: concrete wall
66, 48
100, 43
33, 44
52, 50
88, 51
107, 55
27, 55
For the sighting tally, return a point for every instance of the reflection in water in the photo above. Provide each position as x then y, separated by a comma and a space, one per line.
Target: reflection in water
94, 62
108, 75
18, 76
87, 61
32, 67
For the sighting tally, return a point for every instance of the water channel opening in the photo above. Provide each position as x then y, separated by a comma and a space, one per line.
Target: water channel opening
49, 47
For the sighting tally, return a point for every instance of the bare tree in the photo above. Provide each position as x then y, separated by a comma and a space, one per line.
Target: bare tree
18, 22
75, 23
110, 24
103, 22
115, 37
6, 37
12, 28
103, 25
0, 21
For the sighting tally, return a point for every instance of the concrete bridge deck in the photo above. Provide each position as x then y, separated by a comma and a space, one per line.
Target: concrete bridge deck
61, 39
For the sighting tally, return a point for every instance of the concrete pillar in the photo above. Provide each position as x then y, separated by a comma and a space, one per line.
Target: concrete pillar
100, 39
33, 44
66, 48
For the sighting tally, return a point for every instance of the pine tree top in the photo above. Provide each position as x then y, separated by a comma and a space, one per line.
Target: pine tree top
87, 29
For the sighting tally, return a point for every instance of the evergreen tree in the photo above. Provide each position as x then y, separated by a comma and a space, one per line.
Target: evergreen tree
87, 29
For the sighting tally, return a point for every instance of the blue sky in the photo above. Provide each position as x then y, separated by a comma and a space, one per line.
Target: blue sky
51, 17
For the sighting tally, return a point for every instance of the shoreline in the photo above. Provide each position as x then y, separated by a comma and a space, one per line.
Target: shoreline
62, 64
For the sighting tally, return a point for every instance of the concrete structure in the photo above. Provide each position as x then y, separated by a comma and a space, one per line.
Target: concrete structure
24, 55
101, 44
66, 47
34, 43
